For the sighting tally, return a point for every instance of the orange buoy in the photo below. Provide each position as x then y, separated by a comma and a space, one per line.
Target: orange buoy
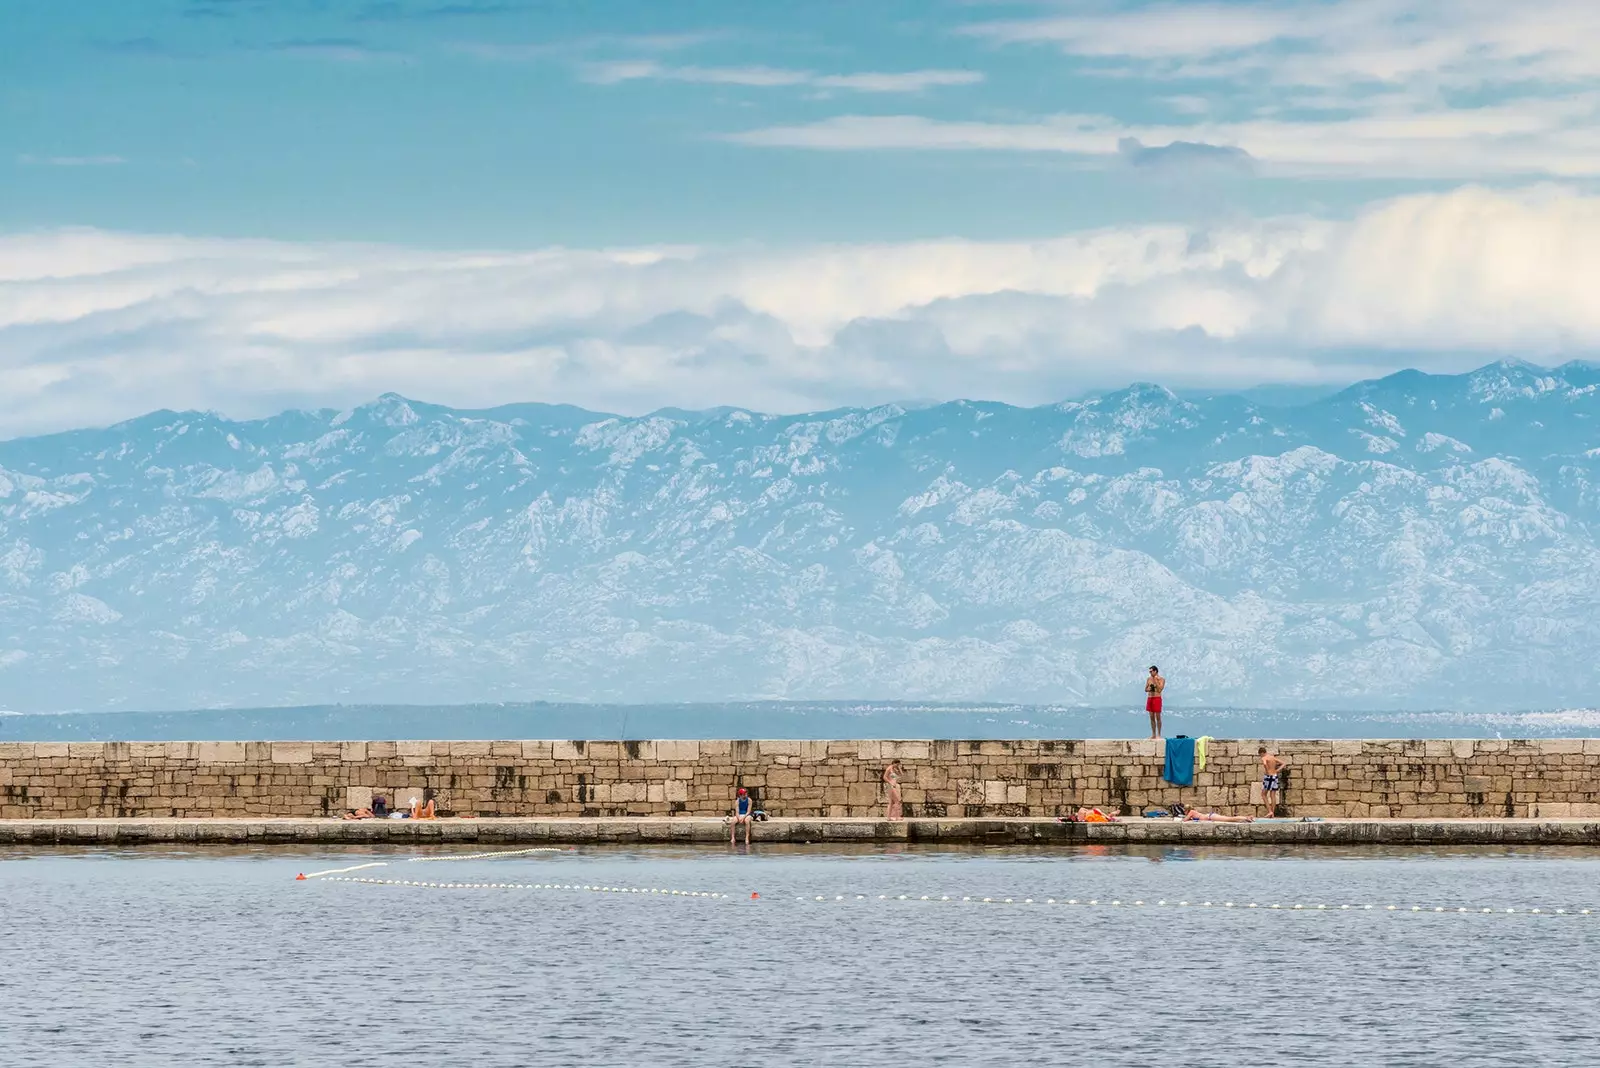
753, 896
300, 878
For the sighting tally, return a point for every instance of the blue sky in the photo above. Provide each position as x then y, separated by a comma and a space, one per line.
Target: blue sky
942, 198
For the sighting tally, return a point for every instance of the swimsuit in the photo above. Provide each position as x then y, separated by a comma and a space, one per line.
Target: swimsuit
1153, 703
1269, 783
744, 806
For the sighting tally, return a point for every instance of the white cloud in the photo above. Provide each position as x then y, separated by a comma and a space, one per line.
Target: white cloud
1454, 89
1557, 137
913, 81
98, 326
1437, 42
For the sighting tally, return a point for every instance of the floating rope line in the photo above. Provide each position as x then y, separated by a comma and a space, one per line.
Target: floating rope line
653, 890
341, 871
1163, 903
487, 856
450, 856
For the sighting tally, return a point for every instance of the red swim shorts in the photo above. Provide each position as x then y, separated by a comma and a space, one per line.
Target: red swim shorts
1153, 703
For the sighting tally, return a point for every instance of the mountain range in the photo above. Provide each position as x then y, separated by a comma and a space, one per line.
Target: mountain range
1416, 541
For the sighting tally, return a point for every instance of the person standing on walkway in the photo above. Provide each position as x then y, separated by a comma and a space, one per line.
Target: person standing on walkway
1271, 779
1153, 686
891, 779
743, 812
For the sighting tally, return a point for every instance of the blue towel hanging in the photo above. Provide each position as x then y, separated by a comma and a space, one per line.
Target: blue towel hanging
1179, 769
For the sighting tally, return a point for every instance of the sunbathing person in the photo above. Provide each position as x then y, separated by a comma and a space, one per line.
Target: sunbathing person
421, 810
1192, 816
358, 814
1086, 815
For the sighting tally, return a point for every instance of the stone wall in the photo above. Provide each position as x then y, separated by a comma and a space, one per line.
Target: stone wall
1401, 779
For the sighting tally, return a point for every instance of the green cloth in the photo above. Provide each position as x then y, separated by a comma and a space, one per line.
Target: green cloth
1200, 751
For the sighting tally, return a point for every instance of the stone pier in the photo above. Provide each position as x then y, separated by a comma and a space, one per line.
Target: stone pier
1434, 780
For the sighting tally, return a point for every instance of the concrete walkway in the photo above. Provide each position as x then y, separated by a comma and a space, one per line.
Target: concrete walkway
684, 829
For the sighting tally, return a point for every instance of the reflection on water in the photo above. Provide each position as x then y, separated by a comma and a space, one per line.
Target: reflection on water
220, 957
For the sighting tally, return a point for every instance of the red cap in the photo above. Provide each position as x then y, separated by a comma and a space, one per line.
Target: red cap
741, 791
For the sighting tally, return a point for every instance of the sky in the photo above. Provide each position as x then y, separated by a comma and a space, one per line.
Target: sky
247, 205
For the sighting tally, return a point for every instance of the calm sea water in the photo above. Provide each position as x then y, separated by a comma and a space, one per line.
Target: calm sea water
210, 958
779, 719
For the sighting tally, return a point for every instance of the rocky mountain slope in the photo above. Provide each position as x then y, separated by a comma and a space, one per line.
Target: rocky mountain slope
1416, 541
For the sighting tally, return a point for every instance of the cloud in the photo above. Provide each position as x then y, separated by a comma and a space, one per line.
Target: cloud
1550, 138
915, 81
70, 161
1349, 88
1184, 156
1453, 42
97, 326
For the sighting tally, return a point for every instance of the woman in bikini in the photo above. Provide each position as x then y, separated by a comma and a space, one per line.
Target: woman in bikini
891, 779
1192, 816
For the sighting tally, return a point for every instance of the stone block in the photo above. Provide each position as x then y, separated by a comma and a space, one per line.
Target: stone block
291, 752
994, 792
352, 752
220, 752
357, 797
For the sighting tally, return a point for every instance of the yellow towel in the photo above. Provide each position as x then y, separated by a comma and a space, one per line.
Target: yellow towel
1200, 752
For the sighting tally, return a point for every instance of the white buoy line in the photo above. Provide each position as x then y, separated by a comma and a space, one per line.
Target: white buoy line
446, 856
487, 856
1163, 903
647, 890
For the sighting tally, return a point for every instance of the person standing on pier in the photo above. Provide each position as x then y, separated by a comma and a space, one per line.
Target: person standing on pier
1271, 779
891, 779
1153, 686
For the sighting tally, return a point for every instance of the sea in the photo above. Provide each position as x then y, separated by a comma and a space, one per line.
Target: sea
777, 719
779, 955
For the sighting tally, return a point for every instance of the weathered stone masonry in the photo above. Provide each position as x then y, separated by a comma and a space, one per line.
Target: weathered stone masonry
1398, 779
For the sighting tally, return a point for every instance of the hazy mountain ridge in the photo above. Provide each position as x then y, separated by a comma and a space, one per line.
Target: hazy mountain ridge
1417, 540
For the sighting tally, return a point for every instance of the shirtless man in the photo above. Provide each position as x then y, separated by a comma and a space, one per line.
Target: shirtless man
1152, 701
1271, 779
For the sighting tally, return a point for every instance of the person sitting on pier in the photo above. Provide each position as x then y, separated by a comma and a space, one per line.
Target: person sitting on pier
743, 812
422, 810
